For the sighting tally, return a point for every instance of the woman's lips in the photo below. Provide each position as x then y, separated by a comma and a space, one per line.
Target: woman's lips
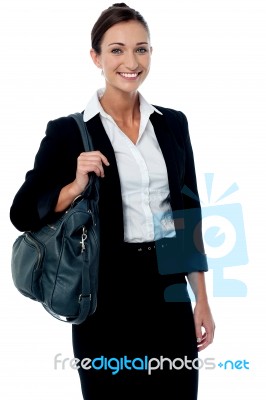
129, 75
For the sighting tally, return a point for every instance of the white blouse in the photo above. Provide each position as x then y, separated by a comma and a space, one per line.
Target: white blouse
143, 175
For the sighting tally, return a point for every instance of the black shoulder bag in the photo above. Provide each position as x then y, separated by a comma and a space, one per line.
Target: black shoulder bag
58, 264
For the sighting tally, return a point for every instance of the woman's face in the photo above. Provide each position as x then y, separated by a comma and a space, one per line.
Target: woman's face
125, 56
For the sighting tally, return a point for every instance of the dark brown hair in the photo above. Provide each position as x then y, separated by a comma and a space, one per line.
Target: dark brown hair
118, 12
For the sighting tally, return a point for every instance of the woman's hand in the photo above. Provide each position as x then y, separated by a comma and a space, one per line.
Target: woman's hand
90, 161
204, 324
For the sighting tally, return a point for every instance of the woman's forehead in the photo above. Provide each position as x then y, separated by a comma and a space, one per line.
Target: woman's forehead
125, 33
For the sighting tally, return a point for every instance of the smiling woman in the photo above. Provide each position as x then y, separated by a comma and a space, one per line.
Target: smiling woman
151, 243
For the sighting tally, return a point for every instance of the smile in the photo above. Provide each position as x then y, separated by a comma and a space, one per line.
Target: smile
129, 75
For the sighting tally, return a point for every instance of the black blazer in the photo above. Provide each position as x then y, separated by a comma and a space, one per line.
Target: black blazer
55, 167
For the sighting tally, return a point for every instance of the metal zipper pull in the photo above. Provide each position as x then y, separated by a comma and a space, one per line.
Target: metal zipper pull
83, 238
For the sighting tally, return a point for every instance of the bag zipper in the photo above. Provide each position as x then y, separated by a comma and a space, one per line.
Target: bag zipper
37, 246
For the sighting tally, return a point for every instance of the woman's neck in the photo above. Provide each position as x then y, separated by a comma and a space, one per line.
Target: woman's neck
123, 107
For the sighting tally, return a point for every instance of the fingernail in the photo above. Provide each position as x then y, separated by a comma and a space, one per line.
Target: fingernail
198, 339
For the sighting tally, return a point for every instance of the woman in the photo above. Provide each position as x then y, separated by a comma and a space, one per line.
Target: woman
151, 242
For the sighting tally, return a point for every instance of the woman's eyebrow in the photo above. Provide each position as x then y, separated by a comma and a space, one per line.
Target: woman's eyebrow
122, 44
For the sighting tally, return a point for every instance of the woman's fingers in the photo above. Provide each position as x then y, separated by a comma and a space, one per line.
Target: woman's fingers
92, 161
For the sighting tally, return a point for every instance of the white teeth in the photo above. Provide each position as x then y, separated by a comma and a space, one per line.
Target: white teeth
129, 75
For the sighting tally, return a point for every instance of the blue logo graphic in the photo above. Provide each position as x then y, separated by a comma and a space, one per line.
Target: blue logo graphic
224, 241
221, 227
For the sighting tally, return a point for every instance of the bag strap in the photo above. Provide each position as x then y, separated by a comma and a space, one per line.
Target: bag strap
88, 146
86, 138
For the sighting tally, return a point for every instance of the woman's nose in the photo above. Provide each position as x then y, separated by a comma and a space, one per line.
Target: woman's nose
131, 61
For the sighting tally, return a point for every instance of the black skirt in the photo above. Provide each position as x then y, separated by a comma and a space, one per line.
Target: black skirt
139, 341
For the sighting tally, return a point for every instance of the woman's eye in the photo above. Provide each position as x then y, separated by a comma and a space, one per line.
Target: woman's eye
116, 51
142, 50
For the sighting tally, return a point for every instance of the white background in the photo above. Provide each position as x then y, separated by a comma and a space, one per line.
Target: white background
209, 62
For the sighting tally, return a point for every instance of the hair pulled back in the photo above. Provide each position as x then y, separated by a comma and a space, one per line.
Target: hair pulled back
118, 12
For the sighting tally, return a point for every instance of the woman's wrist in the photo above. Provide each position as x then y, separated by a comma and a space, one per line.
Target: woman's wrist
74, 189
66, 196
197, 283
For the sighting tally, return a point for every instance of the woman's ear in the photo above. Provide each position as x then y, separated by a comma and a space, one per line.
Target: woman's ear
95, 58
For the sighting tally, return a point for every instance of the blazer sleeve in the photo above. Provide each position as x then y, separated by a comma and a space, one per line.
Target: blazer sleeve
54, 167
194, 245
190, 216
